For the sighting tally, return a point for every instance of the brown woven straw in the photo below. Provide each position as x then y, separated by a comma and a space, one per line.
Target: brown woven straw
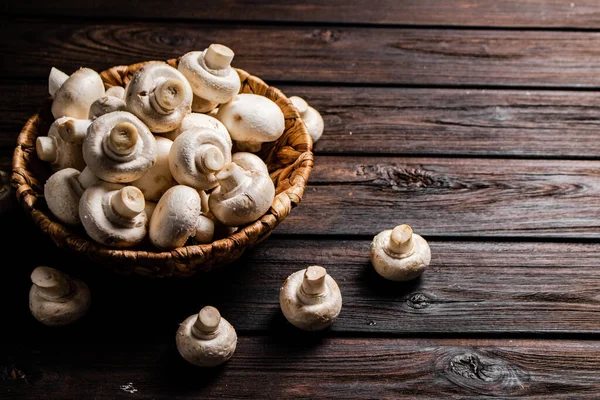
289, 159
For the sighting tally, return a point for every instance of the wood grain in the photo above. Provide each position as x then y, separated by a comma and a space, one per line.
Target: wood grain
381, 56
403, 121
279, 367
506, 13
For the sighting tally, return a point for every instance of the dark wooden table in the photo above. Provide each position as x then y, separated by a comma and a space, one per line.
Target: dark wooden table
476, 122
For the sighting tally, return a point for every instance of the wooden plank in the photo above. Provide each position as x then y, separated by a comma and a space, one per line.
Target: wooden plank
507, 13
403, 121
277, 367
449, 57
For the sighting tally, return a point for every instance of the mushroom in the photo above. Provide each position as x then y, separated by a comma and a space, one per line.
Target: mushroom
310, 299
252, 120
211, 76
113, 100
250, 162
59, 153
119, 147
400, 254
241, 197
206, 339
116, 91
310, 116
159, 95
56, 299
196, 155
149, 208
7, 193
177, 217
196, 120
113, 214
158, 179
73, 95
62, 192
73, 130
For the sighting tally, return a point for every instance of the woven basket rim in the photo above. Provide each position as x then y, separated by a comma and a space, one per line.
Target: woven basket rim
186, 260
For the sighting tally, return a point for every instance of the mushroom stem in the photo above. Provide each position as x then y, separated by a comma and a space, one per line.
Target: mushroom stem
218, 56
209, 158
251, 147
206, 325
46, 148
74, 130
87, 178
51, 283
230, 177
128, 202
401, 240
313, 283
56, 80
123, 138
167, 95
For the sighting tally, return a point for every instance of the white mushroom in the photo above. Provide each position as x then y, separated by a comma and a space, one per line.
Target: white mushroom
62, 192
252, 120
59, 153
113, 214
74, 95
73, 130
113, 100
177, 217
310, 116
211, 76
158, 179
400, 254
196, 155
116, 91
7, 193
159, 95
119, 147
206, 339
149, 208
196, 120
56, 299
250, 162
310, 299
241, 197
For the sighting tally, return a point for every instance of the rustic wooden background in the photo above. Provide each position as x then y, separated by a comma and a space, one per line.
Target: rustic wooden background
476, 122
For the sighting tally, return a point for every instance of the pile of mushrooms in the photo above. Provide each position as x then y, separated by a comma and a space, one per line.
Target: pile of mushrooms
148, 162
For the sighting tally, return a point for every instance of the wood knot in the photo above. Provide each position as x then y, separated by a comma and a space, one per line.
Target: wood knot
418, 301
483, 374
326, 35
399, 178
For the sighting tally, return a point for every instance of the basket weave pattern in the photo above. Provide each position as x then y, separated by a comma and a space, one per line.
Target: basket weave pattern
290, 161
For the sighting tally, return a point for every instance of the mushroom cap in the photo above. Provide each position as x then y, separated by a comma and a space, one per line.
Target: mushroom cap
175, 217
249, 200
77, 93
63, 311
205, 229
252, 118
200, 105
103, 224
213, 85
197, 120
116, 91
323, 310
208, 352
158, 179
57, 152
401, 267
62, 192
108, 165
250, 162
143, 87
310, 116
196, 155
105, 105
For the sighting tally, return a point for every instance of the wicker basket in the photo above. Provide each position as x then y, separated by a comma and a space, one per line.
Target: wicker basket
289, 159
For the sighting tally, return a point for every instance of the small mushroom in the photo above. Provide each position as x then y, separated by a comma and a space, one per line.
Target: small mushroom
177, 217
108, 103
73, 130
113, 214
56, 299
119, 147
310, 116
116, 91
62, 192
8, 199
74, 95
310, 299
158, 179
250, 162
211, 76
400, 254
159, 95
241, 197
196, 155
252, 120
196, 120
206, 339
59, 153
